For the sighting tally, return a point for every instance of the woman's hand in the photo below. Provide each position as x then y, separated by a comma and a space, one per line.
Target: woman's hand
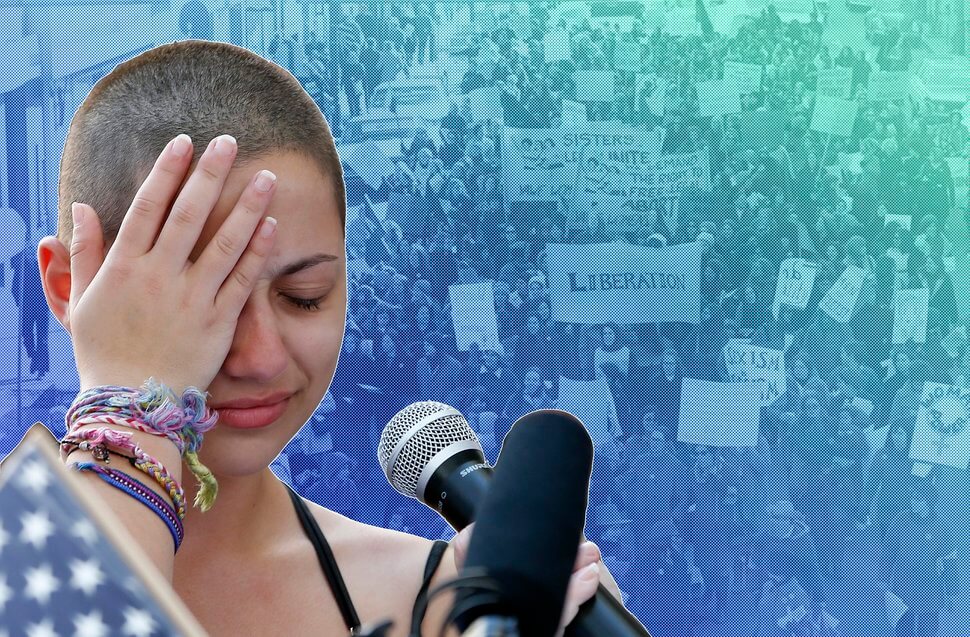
144, 309
583, 584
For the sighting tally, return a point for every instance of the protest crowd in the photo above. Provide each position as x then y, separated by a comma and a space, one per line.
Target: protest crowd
810, 230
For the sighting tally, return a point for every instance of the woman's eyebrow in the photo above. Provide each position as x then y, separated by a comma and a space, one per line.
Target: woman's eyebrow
303, 264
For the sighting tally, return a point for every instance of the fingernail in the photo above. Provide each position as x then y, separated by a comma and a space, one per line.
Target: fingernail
181, 145
224, 145
593, 551
590, 573
268, 227
265, 180
76, 214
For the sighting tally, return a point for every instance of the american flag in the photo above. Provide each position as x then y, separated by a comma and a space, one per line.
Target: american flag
60, 574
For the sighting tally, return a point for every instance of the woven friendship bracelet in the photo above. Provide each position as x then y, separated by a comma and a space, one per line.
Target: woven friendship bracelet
99, 441
156, 410
142, 493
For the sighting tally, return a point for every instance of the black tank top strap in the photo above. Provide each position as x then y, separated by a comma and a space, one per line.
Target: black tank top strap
438, 549
327, 562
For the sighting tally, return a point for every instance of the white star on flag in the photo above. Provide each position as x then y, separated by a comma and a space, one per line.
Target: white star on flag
86, 576
41, 583
34, 477
90, 625
6, 594
37, 527
85, 531
44, 628
138, 623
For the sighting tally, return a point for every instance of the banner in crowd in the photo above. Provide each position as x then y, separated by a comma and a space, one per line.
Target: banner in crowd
751, 363
592, 402
839, 302
946, 79
744, 76
718, 97
834, 116
542, 164
942, 434
594, 86
910, 309
615, 282
556, 46
834, 82
473, 315
719, 414
887, 86
369, 162
796, 278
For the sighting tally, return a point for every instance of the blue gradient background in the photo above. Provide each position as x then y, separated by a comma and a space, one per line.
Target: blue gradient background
692, 554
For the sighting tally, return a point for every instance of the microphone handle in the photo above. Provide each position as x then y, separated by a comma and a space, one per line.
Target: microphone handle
457, 487
604, 616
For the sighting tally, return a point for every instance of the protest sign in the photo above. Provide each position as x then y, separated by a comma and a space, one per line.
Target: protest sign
946, 79
719, 414
666, 175
760, 129
839, 302
834, 82
760, 365
543, 164
628, 56
594, 86
592, 402
909, 315
796, 277
717, 97
573, 114
370, 163
615, 282
681, 21
556, 46
485, 103
473, 316
887, 86
834, 116
742, 75
734, 353
960, 171
903, 221
941, 435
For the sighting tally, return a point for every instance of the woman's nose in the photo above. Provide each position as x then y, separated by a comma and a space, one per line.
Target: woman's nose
257, 351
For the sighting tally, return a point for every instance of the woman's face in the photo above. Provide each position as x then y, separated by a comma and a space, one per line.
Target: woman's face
289, 333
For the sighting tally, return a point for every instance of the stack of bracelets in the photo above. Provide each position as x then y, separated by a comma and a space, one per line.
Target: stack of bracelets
153, 409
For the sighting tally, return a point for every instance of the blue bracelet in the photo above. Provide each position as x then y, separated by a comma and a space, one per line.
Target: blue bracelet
141, 492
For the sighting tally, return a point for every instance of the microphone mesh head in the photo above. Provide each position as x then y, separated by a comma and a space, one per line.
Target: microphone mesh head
418, 432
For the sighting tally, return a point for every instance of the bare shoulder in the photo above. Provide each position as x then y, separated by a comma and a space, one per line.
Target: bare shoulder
383, 569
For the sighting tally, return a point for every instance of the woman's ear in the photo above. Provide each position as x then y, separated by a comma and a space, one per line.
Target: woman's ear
54, 260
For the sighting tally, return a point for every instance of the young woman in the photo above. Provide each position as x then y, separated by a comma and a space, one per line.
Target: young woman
224, 269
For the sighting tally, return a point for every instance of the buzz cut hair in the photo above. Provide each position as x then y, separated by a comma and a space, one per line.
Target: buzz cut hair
201, 88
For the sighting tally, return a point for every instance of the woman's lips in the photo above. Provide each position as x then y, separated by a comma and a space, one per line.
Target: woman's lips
252, 417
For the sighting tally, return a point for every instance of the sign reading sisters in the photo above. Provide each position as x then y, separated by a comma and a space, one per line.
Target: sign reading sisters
942, 434
620, 283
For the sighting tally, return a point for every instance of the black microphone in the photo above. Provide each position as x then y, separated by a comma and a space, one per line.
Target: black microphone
522, 552
429, 452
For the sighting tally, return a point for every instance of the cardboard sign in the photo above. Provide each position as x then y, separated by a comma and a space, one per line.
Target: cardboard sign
473, 316
556, 46
910, 308
719, 414
839, 302
796, 278
370, 163
834, 116
942, 434
615, 282
592, 402
834, 82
